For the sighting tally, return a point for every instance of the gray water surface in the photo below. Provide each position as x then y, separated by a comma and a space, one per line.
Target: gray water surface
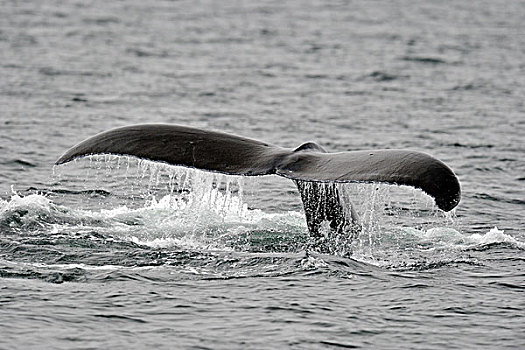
114, 252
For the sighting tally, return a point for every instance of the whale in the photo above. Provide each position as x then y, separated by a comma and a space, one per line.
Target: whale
315, 171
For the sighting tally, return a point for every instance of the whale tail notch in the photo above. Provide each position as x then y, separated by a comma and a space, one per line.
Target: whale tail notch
315, 171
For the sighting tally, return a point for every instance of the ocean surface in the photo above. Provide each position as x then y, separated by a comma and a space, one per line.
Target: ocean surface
115, 253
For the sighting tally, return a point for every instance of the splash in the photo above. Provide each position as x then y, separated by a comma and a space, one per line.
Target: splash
162, 206
192, 209
387, 216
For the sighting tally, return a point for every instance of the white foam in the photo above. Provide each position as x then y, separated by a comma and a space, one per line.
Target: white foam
313, 263
34, 202
494, 236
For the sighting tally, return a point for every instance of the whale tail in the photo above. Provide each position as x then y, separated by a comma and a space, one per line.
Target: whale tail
314, 171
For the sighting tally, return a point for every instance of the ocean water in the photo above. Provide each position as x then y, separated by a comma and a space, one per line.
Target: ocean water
113, 252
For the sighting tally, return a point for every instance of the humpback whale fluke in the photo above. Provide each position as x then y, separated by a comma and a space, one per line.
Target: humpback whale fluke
235, 155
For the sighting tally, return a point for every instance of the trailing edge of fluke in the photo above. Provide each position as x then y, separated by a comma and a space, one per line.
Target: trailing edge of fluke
235, 155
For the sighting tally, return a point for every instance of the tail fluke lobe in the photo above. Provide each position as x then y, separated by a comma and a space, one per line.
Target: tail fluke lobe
399, 167
179, 145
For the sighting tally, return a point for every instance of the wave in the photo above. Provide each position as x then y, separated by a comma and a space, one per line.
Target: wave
216, 221
189, 218
213, 221
423, 59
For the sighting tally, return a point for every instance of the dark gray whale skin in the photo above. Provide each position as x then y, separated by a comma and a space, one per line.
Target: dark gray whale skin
309, 163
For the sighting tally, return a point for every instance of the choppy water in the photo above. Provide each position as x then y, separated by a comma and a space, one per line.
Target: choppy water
115, 253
